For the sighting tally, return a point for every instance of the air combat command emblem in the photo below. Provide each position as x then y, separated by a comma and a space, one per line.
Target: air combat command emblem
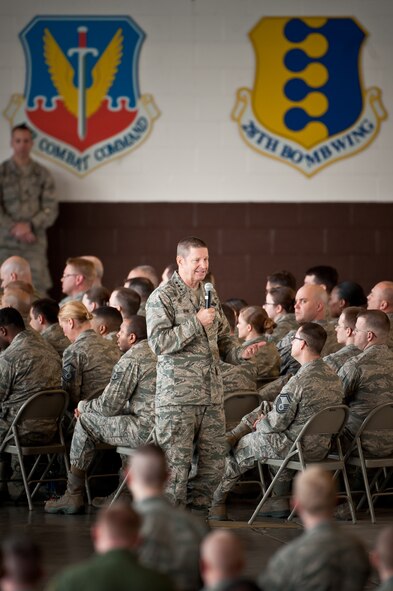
308, 107
82, 97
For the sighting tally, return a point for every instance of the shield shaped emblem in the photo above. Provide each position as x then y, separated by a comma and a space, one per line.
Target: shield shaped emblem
82, 88
308, 107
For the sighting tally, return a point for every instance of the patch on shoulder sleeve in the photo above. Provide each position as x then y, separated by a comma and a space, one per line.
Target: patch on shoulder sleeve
283, 402
68, 373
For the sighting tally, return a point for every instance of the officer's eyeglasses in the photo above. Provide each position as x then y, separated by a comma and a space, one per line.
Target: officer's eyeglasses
300, 339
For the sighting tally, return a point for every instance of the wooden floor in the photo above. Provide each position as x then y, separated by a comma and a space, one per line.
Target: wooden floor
66, 539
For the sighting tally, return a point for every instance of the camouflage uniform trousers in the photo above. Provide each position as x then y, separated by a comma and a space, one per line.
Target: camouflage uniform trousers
251, 448
92, 428
178, 428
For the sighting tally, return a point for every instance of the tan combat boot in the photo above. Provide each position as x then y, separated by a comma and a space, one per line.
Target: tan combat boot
72, 501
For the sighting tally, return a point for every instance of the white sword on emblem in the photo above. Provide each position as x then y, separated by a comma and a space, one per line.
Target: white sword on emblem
82, 51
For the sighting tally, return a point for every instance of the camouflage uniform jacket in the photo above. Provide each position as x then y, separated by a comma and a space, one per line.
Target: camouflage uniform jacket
284, 324
170, 541
131, 389
337, 360
87, 366
78, 297
188, 355
27, 366
368, 382
313, 388
390, 342
324, 557
26, 195
289, 364
266, 360
55, 336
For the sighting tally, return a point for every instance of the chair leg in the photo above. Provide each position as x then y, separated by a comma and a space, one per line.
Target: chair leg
24, 477
120, 489
349, 494
267, 493
368, 492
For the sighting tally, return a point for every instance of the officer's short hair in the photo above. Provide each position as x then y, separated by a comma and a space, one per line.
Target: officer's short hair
83, 267
120, 521
111, 317
22, 559
376, 321
282, 279
283, 296
184, 245
22, 127
150, 465
98, 295
47, 308
11, 317
315, 490
129, 301
315, 336
141, 285
137, 325
324, 275
350, 315
352, 293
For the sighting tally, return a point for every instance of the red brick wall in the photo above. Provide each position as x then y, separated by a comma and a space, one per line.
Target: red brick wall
246, 241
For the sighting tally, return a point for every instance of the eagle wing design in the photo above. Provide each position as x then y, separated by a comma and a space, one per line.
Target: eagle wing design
61, 72
104, 73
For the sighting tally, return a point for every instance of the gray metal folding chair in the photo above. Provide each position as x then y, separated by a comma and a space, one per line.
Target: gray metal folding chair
128, 451
330, 421
379, 420
44, 408
236, 406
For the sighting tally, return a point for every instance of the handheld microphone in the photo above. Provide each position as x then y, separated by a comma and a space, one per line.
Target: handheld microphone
208, 294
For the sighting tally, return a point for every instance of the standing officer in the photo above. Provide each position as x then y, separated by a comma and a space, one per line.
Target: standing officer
27, 207
188, 339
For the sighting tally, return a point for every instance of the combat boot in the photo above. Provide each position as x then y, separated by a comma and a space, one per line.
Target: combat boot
72, 501
99, 502
218, 512
237, 433
277, 507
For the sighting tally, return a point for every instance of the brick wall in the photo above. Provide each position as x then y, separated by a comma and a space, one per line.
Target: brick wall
246, 241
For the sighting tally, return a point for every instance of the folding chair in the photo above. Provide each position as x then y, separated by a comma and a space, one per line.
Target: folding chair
91, 475
236, 406
129, 451
330, 421
380, 419
49, 407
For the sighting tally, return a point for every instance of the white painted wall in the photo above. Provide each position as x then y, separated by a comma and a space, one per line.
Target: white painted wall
196, 54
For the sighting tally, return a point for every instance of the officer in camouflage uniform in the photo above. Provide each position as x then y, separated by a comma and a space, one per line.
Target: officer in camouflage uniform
89, 360
170, 536
188, 341
106, 322
279, 305
346, 337
381, 298
324, 556
27, 207
122, 415
310, 306
368, 379
27, 366
273, 427
44, 319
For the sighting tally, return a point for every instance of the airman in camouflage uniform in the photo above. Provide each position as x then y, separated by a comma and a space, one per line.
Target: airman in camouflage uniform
188, 341
368, 379
324, 556
313, 388
381, 298
87, 366
344, 327
27, 366
27, 196
310, 306
170, 536
122, 415
336, 360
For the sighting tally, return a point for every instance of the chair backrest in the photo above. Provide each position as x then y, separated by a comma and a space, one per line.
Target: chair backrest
379, 419
329, 421
238, 405
48, 404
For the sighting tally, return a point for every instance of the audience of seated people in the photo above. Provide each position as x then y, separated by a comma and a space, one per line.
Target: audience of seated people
114, 401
